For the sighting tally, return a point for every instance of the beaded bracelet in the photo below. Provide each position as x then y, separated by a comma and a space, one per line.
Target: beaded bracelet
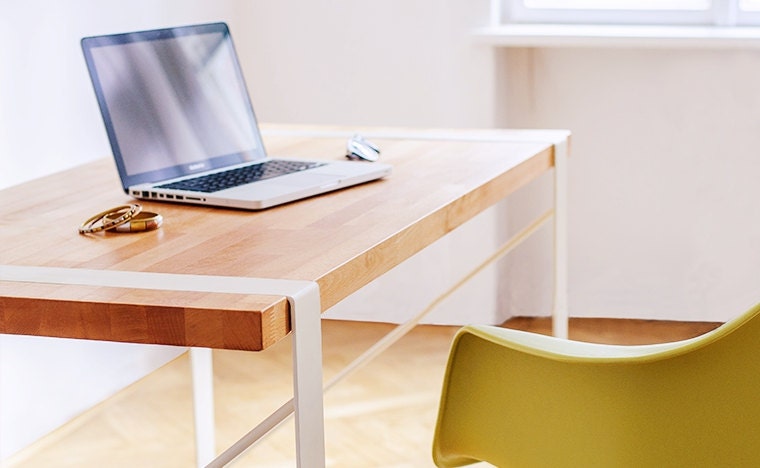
109, 219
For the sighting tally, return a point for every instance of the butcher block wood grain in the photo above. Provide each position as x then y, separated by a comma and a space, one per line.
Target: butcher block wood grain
342, 240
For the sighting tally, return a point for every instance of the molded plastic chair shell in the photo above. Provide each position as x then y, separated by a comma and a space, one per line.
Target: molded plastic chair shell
518, 399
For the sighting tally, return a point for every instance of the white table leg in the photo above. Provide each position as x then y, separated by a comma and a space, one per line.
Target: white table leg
308, 390
308, 399
560, 317
203, 404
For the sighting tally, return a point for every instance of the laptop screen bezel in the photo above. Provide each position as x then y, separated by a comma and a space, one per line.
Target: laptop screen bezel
179, 170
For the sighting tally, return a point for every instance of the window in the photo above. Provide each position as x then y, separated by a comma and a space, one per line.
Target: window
683, 12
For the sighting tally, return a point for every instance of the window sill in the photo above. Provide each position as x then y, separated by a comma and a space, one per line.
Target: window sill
580, 35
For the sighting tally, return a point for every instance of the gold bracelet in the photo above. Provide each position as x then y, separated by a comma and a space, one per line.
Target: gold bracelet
110, 219
143, 221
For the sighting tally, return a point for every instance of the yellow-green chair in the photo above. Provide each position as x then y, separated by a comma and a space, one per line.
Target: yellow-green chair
517, 399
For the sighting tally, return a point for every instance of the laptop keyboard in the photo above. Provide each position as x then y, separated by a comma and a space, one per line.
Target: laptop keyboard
240, 176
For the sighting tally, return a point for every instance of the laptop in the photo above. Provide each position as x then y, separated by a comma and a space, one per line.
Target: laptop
182, 128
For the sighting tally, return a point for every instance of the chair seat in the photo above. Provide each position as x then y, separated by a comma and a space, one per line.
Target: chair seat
519, 399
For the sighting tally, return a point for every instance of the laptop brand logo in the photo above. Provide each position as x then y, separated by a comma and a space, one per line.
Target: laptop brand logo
196, 166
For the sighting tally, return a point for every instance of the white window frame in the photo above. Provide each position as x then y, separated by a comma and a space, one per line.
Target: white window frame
748, 17
716, 13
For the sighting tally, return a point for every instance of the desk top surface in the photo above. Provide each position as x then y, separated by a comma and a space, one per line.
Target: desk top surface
342, 240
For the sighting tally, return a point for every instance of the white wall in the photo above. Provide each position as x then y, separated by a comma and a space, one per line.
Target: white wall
664, 211
364, 62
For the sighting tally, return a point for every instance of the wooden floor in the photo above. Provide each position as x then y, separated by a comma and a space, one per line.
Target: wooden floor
382, 416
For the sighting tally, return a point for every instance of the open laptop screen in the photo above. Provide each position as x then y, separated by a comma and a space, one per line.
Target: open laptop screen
173, 101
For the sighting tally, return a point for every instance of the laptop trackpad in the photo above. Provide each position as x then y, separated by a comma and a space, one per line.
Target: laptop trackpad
306, 179
299, 183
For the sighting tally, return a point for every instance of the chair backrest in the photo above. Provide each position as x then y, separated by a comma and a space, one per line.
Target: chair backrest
693, 403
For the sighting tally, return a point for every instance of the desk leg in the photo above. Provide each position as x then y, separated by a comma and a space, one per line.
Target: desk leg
560, 317
308, 400
307, 379
203, 404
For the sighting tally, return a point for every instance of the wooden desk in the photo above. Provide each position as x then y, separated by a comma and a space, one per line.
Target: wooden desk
187, 284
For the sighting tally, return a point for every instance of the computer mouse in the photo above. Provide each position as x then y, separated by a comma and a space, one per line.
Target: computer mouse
359, 148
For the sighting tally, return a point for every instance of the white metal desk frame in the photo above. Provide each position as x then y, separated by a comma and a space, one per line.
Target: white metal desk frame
303, 296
